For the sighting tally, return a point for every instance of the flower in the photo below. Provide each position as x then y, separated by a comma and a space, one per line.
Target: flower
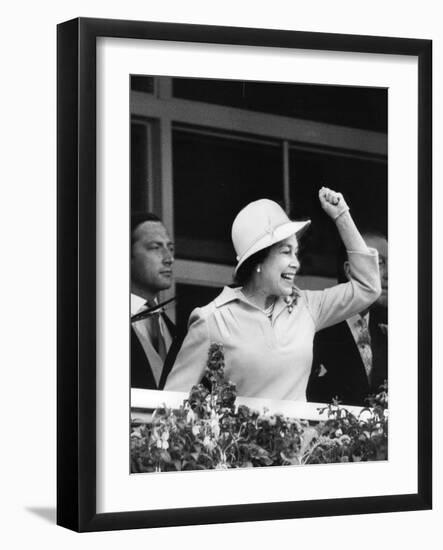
136, 433
214, 424
196, 429
209, 431
209, 443
191, 416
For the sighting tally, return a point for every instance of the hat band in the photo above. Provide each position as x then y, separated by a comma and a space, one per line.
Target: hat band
270, 230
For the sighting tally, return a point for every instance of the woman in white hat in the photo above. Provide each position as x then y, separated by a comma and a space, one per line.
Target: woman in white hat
266, 324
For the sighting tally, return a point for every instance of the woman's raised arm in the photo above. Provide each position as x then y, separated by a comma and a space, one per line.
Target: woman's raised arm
335, 206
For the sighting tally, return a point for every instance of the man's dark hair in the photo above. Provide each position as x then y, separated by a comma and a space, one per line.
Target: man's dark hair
137, 218
244, 272
342, 255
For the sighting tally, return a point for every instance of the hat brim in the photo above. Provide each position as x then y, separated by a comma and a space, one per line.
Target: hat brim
278, 234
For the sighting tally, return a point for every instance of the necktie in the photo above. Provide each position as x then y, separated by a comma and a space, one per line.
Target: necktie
155, 331
364, 345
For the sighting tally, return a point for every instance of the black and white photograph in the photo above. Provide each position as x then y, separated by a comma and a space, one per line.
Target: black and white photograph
249, 212
221, 265
259, 274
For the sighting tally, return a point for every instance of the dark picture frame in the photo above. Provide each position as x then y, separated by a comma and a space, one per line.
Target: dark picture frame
76, 279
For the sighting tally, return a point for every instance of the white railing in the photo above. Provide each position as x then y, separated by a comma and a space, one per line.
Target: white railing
143, 402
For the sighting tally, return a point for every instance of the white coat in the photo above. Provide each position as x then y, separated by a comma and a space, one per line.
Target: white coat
271, 359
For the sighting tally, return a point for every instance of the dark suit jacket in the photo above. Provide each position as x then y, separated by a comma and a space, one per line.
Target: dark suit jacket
141, 373
345, 378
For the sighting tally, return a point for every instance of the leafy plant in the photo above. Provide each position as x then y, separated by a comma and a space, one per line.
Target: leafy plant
208, 431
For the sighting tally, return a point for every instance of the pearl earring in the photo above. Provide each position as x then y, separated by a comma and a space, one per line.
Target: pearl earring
258, 269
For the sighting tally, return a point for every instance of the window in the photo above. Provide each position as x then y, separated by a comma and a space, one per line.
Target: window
354, 107
214, 177
363, 182
202, 149
143, 84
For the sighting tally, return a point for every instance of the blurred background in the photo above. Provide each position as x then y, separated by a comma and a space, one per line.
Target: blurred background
202, 149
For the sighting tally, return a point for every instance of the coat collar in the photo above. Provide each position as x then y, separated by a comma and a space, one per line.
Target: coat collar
229, 294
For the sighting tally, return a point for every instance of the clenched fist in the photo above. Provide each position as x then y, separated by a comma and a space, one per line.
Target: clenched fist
332, 203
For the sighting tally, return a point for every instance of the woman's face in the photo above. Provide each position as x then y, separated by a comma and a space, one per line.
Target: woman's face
279, 267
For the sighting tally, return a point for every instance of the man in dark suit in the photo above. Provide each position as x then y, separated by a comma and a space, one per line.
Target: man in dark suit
351, 358
152, 332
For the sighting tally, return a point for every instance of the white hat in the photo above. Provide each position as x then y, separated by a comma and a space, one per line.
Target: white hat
261, 224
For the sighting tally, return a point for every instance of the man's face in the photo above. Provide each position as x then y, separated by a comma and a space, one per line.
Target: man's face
380, 244
152, 259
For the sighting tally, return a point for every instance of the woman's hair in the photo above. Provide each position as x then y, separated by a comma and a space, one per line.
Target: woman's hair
244, 272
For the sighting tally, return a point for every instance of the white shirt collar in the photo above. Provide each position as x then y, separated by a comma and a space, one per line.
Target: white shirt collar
137, 303
352, 321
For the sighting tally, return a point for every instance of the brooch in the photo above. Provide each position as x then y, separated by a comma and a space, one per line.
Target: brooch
291, 300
